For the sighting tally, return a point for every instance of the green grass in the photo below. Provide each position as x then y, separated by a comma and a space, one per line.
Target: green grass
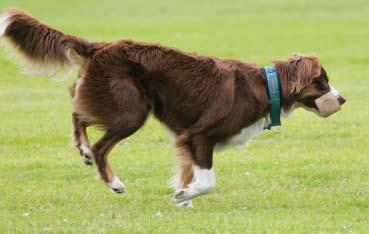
312, 177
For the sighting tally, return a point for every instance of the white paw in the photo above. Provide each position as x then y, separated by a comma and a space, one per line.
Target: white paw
117, 186
86, 154
181, 195
185, 204
190, 192
204, 182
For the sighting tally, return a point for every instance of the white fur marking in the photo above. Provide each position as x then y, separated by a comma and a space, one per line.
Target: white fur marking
86, 154
4, 23
248, 133
334, 91
204, 182
86, 150
204, 179
117, 186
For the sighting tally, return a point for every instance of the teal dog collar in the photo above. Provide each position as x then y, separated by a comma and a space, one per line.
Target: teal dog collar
273, 87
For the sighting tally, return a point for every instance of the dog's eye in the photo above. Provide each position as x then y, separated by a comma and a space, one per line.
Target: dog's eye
320, 84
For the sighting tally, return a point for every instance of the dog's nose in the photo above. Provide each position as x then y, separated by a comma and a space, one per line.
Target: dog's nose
341, 100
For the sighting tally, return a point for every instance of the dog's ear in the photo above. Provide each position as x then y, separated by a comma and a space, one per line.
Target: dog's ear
302, 70
308, 66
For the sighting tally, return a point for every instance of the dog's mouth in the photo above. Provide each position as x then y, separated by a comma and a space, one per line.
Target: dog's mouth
326, 104
329, 103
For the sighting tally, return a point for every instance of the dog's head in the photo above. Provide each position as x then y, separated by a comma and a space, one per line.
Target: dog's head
305, 84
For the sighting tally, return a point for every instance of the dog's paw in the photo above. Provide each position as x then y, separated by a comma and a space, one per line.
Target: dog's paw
185, 204
191, 191
117, 186
182, 195
86, 155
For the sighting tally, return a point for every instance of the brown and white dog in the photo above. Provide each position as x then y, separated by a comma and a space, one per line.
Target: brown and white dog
205, 101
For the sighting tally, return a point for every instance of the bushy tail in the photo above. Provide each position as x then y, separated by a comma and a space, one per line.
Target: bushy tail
42, 45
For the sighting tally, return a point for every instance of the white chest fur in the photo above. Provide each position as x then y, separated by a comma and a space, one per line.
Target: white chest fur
243, 137
248, 133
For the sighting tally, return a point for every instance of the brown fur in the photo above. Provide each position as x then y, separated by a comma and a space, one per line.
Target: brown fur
40, 43
203, 100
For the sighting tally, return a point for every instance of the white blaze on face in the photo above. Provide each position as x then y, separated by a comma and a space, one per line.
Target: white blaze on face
334, 91
4, 22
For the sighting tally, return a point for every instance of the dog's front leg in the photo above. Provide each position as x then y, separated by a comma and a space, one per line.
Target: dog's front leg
203, 176
204, 182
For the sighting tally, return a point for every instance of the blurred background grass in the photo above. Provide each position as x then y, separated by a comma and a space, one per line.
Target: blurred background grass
312, 177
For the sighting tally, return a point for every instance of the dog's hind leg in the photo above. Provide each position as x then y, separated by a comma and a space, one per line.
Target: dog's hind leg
126, 113
115, 104
103, 146
81, 140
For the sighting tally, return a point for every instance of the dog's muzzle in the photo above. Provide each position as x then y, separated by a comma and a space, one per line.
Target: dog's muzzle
329, 103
